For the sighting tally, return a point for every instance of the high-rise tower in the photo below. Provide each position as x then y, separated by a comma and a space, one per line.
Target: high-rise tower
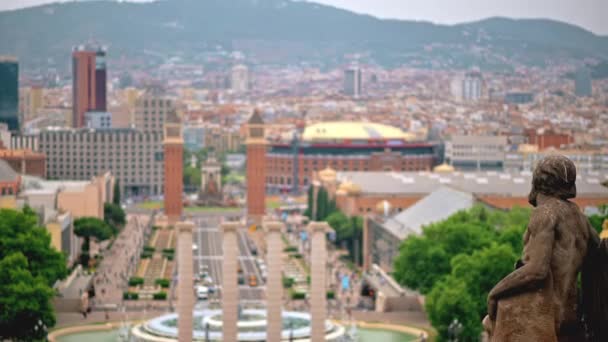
256, 168
174, 151
9, 92
88, 82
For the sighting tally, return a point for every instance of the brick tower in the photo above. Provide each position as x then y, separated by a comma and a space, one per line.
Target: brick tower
174, 150
256, 169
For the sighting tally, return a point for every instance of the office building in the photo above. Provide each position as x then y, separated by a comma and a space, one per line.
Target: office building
352, 82
519, 98
9, 92
582, 82
88, 83
468, 152
98, 120
467, 87
151, 110
31, 100
134, 157
240, 79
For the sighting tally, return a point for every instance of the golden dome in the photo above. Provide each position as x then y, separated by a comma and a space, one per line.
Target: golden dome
383, 208
341, 192
354, 189
604, 233
345, 186
443, 168
328, 174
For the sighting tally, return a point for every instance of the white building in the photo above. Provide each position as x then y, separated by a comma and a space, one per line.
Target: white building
240, 78
352, 82
476, 152
468, 87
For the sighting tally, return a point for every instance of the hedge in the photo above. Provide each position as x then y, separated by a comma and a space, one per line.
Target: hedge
169, 250
149, 249
290, 249
295, 295
130, 295
146, 254
134, 281
288, 282
331, 295
160, 295
164, 283
296, 256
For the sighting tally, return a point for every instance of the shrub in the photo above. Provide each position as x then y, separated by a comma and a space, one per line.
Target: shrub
331, 295
168, 250
155, 227
164, 283
290, 249
288, 282
169, 257
296, 295
149, 249
134, 281
160, 295
130, 295
296, 256
146, 254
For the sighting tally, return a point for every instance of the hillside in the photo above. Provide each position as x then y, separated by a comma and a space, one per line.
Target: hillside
292, 30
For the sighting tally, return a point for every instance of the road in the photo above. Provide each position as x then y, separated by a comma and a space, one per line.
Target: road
208, 238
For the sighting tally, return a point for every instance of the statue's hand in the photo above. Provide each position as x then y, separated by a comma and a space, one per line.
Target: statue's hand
492, 308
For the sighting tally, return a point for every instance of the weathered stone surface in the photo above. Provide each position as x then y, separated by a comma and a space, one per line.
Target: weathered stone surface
539, 300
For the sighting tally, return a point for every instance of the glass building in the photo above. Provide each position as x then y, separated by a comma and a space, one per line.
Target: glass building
9, 92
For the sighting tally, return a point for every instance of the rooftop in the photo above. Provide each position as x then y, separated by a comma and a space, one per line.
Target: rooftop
7, 174
340, 130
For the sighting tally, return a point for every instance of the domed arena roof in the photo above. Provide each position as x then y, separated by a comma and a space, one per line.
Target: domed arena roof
346, 130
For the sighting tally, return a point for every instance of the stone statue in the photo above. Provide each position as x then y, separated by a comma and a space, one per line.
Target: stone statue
541, 299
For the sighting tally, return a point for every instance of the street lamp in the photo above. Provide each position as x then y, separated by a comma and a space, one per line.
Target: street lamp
290, 331
454, 329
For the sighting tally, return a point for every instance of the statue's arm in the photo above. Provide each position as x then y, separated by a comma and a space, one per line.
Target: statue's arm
539, 249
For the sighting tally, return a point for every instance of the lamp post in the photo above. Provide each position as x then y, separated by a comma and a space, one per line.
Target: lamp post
454, 329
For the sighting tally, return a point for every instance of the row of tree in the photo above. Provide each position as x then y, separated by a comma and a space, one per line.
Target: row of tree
456, 262
349, 230
29, 266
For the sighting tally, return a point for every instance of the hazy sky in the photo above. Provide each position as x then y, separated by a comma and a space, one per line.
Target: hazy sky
590, 14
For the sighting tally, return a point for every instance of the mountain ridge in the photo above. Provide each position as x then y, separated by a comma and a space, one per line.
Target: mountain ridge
327, 32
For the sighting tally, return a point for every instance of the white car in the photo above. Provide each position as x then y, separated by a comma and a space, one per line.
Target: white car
194, 247
202, 292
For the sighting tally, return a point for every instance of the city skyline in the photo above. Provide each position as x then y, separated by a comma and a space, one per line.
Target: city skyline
586, 13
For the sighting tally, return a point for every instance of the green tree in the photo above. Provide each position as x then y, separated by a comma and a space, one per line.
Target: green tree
114, 216
514, 237
20, 232
451, 300
116, 197
192, 176
322, 204
88, 228
421, 263
310, 202
25, 301
482, 270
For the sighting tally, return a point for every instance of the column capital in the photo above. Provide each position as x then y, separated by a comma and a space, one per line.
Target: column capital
230, 226
185, 226
314, 227
273, 226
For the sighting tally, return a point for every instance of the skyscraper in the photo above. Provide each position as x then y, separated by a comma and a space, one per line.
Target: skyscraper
9, 92
240, 79
352, 82
582, 82
88, 82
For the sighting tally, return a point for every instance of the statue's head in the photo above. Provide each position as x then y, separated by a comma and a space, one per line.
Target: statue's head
554, 176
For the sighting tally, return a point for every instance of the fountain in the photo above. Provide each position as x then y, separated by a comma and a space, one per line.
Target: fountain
251, 327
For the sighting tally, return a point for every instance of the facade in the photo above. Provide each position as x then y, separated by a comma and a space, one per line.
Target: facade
519, 98
24, 142
222, 139
345, 146
240, 78
61, 228
467, 87
134, 157
10, 180
194, 137
25, 162
88, 83
467, 152
256, 168
31, 100
9, 92
353, 82
582, 83
586, 161
98, 120
173, 145
152, 109
544, 139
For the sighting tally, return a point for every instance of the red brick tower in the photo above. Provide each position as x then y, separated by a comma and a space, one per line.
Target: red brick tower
174, 150
256, 169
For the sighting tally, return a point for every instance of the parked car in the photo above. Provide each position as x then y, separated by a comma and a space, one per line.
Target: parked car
202, 292
253, 280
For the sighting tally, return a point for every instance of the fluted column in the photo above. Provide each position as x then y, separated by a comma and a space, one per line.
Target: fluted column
318, 291
274, 286
185, 284
230, 290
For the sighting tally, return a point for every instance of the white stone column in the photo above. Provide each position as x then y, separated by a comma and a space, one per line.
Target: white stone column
318, 288
274, 286
230, 290
185, 283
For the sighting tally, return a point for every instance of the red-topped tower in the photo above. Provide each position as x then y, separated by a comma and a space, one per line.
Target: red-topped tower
174, 150
256, 168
